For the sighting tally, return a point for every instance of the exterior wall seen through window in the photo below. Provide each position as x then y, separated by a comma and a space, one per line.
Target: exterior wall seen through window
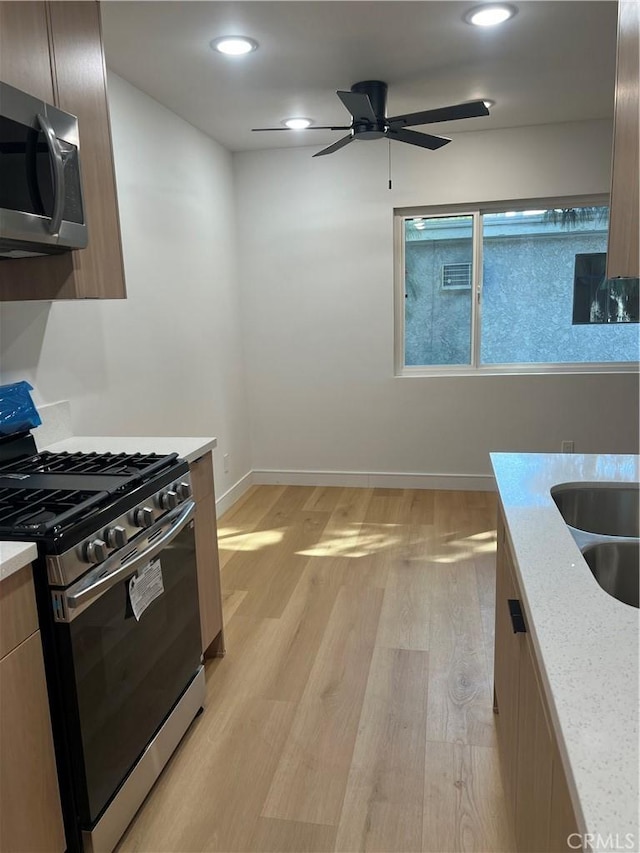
537, 306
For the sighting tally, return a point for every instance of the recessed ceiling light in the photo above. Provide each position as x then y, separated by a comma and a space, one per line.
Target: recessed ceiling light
489, 15
297, 123
234, 45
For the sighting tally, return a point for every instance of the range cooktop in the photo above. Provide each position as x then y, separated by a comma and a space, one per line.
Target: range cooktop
46, 492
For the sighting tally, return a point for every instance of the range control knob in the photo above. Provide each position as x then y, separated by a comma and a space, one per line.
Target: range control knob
168, 499
143, 516
183, 490
116, 537
96, 551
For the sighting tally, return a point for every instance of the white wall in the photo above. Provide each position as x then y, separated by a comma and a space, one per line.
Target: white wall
313, 239
316, 267
168, 360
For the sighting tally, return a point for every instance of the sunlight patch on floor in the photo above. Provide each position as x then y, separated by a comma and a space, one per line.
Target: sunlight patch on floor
467, 547
251, 541
224, 531
359, 541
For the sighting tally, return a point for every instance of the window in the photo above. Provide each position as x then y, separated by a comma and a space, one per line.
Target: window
511, 286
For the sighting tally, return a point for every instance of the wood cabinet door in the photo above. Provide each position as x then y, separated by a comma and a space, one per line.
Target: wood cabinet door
24, 49
623, 258
534, 762
31, 819
562, 819
506, 669
535, 785
18, 614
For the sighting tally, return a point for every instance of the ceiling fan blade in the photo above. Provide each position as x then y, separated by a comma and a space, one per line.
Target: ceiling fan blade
358, 105
315, 127
336, 146
424, 140
472, 109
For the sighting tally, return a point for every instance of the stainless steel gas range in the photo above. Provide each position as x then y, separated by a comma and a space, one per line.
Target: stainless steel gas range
117, 601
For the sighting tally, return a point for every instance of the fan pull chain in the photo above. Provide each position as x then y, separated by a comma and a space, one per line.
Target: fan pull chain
390, 181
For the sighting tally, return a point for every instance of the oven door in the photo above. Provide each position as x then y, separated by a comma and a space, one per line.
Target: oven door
126, 656
41, 206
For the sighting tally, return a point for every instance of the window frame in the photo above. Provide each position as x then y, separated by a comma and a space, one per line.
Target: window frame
476, 210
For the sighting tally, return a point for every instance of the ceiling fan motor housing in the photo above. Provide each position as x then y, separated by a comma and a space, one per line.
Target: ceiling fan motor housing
376, 91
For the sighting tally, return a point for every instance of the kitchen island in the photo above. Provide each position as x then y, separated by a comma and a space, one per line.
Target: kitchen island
584, 641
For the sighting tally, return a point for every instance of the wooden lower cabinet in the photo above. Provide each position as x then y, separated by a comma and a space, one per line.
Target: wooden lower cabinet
505, 685
209, 589
534, 761
534, 780
30, 815
562, 819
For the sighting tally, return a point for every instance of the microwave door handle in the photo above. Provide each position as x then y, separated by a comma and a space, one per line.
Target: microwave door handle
55, 150
32, 172
179, 519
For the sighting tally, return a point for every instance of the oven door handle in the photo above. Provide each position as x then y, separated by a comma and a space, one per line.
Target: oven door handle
97, 581
57, 158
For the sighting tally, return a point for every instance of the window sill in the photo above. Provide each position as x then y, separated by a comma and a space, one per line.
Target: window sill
518, 370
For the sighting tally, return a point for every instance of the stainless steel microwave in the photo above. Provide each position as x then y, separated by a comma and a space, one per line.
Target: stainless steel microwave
41, 205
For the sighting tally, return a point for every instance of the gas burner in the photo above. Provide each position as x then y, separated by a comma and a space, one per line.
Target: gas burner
34, 518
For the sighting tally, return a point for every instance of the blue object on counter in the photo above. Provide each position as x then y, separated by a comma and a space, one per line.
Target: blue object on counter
17, 412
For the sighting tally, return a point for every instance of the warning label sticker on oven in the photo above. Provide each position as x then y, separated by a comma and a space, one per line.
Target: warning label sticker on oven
145, 587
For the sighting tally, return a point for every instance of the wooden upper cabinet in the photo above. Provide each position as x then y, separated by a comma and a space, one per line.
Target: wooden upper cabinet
24, 49
69, 38
623, 258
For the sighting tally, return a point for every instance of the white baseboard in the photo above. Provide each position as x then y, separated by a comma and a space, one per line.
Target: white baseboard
377, 480
354, 479
227, 500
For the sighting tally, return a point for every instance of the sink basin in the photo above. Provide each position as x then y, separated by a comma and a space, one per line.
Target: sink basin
610, 509
616, 567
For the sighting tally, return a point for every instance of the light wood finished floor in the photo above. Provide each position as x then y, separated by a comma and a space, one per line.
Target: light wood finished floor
353, 711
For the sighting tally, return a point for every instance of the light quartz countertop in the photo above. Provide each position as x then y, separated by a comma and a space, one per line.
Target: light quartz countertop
586, 641
15, 555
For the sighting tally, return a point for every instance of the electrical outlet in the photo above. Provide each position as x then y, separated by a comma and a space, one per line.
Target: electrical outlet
225, 459
566, 447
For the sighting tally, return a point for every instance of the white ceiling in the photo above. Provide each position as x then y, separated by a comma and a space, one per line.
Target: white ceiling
554, 61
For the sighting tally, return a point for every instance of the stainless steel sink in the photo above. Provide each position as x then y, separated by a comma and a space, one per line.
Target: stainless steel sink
610, 509
616, 567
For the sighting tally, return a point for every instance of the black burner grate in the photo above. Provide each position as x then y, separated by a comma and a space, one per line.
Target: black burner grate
118, 464
36, 511
48, 492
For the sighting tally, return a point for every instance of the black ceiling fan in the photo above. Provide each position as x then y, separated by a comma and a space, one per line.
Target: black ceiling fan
367, 103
